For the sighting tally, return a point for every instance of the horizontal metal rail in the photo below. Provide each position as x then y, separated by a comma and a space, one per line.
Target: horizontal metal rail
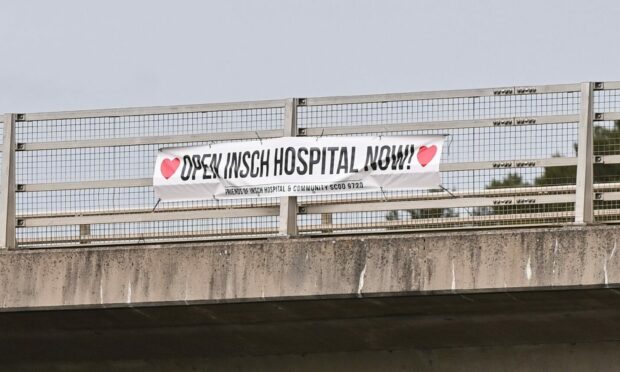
607, 116
451, 222
157, 110
84, 185
149, 140
613, 195
466, 93
609, 85
441, 203
438, 125
521, 163
226, 234
606, 186
607, 159
223, 205
487, 193
31, 221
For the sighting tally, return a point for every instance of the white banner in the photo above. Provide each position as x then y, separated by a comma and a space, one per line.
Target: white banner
295, 166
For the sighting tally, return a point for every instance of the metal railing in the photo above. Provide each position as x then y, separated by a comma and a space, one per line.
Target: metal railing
515, 156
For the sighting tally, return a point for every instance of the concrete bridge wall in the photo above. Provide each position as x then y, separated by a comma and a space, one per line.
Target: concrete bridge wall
309, 268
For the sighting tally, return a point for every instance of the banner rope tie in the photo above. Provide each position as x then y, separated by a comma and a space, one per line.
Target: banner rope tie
449, 143
383, 192
468, 209
322, 131
156, 204
448, 191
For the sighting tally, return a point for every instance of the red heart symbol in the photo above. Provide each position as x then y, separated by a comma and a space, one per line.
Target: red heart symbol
169, 166
426, 154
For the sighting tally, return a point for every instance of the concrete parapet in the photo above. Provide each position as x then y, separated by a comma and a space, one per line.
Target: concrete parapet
309, 268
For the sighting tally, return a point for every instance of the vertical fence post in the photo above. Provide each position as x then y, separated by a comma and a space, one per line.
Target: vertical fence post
288, 204
584, 208
7, 184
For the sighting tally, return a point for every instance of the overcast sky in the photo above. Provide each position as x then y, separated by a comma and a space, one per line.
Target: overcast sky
67, 55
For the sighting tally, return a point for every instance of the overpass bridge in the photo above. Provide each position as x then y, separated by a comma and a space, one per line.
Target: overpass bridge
511, 265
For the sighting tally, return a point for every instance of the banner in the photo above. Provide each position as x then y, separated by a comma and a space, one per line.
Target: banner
296, 166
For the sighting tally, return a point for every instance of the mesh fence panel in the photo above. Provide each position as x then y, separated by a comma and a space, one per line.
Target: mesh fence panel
515, 174
476, 144
607, 100
126, 163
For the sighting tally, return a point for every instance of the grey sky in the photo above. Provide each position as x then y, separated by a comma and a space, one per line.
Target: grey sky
66, 55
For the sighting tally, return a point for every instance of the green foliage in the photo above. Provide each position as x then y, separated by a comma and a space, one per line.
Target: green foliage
511, 180
606, 142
